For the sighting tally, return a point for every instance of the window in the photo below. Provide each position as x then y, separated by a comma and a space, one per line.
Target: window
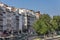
17, 17
8, 10
1, 26
1, 19
9, 21
4, 12
1, 9
1, 14
8, 25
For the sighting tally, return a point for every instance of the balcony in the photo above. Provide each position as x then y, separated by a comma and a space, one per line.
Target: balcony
1, 22
8, 25
1, 17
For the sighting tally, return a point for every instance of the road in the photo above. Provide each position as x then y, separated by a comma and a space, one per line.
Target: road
29, 37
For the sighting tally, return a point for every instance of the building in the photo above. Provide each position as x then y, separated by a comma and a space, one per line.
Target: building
17, 19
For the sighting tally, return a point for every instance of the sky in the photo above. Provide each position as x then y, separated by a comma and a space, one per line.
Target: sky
51, 7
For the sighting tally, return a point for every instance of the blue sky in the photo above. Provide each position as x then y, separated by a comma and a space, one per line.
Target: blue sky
51, 7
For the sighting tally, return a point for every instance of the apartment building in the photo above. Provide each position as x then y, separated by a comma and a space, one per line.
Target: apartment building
17, 18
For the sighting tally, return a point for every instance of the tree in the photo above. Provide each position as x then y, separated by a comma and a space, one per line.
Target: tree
57, 19
41, 25
45, 24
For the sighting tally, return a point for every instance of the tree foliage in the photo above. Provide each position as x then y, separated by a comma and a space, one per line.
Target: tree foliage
57, 19
45, 24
